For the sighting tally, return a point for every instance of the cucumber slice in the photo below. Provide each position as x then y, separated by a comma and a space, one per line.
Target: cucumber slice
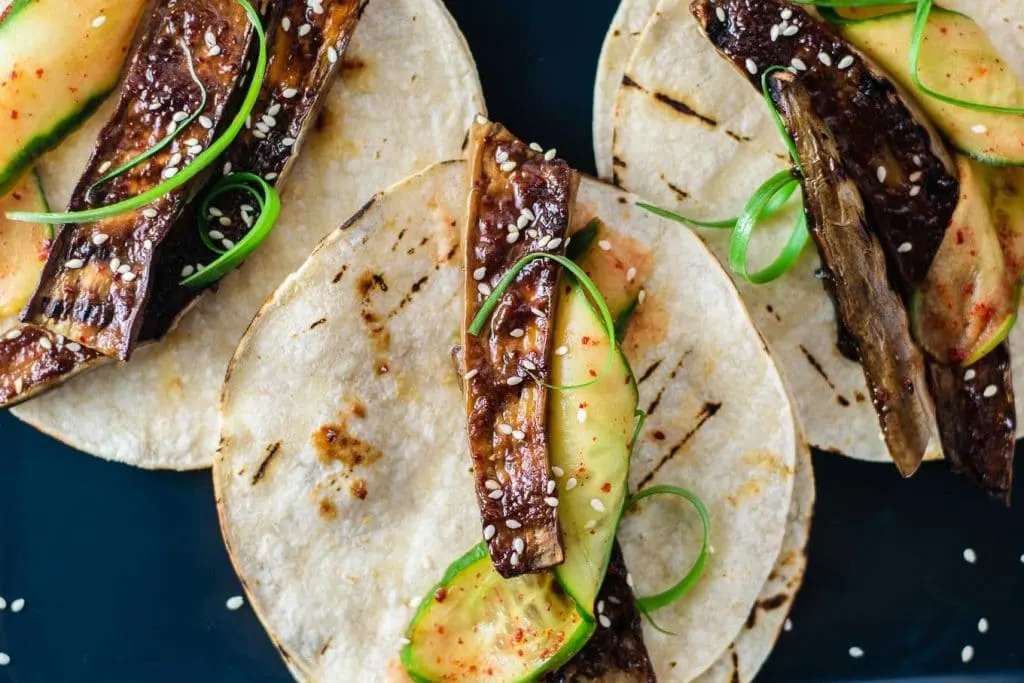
58, 60
607, 269
589, 434
959, 60
22, 246
475, 625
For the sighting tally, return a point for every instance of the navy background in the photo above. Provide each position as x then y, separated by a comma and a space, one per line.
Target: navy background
125, 576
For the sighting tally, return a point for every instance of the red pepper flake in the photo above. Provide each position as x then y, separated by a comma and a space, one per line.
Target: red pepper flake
14, 75
606, 487
440, 629
517, 637
585, 340
593, 373
16, 195
441, 594
40, 72
14, 114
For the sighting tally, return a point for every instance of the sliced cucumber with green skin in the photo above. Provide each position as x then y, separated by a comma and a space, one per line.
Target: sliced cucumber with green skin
475, 625
607, 271
958, 60
22, 246
589, 434
58, 62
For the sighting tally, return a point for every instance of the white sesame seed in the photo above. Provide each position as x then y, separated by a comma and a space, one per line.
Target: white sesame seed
289, 93
514, 560
786, 13
128, 277
210, 39
535, 146
557, 471
790, 31
259, 135
3, 604
590, 525
570, 483
187, 270
846, 62
495, 495
518, 545
415, 602
262, 127
147, 244
332, 55
305, 29
235, 602
630, 274
550, 154
915, 190
5, 659
489, 532
528, 364
522, 221
480, 273
967, 654
484, 288
642, 296
269, 120
12, 335
751, 66
74, 264
286, 23
115, 263
978, 128
550, 488
990, 391
915, 176
507, 167
505, 428
124, 269
905, 247
856, 652
179, 116
514, 380
472, 373
194, 150
969, 374
480, 119
227, 168
970, 557
605, 245
46, 344
720, 13
597, 504
99, 238
604, 620
581, 415
824, 58
629, 579
175, 160
104, 167
529, 214
270, 176
787, 625
228, 244
517, 333
153, 106
288, 142
552, 501
501, 156
518, 435
798, 64
983, 625
512, 237
561, 350
881, 172
555, 243
19, 604
512, 524
492, 485
600, 606
99, 21
216, 235
170, 172
774, 33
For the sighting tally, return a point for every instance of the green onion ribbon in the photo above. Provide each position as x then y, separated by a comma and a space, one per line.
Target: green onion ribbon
657, 601
269, 202
591, 289
204, 159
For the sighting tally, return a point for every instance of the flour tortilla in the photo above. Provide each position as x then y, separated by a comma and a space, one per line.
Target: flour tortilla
404, 102
315, 560
681, 163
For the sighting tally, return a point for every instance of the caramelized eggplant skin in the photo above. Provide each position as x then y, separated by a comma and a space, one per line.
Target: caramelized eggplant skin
615, 653
507, 423
874, 125
868, 306
34, 360
83, 294
978, 431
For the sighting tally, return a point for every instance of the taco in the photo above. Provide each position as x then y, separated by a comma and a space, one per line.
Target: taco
214, 145
906, 147
488, 330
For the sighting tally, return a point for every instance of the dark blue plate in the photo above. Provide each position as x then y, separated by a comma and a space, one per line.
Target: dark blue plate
125, 577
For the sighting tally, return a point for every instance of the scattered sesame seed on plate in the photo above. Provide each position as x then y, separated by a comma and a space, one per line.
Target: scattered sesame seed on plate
5, 659
983, 625
17, 605
787, 625
967, 654
235, 602
856, 652
970, 557
990, 391
535, 146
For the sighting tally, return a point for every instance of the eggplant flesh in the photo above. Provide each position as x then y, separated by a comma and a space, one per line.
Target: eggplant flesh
305, 63
868, 306
615, 653
520, 202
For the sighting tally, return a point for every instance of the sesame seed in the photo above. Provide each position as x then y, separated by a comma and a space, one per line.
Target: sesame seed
774, 33
227, 168
590, 525
495, 495
489, 532
512, 524
990, 391
74, 264
978, 128
501, 156
514, 560
570, 484
505, 428
555, 243
194, 150
170, 172
224, 220
104, 167
228, 244
404, 641
856, 652
286, 23
786, 13
846, 62
270, 176
881, 172
480, 273
597, 504
905, 247
235, 602
259, 134
262, 127
288, 142
966, 654
472, 373
147, 244
508, 166
550, 154
604, 620
153, 106
642, 296
115, 263
915, 176
983, 625
561, 350
535, 146
522, 221
518, 435
13, 334
128, 277
210, 38
787, 625
480, 119
99, 238
18, 605
543, 241
149, 213
605, 245
915, 190
552, 501
512, 237
824, 58
518, 333
519, 545
629, 579
557, 471
550, 486
332, 55
531, 233
630, 274
305, 29
970, 557
5, 659
798, 64
790, 30
216, 235
175, 160
415, 602
179, 116
581, 415
492, 485
187, 270
600, 606
46, 344
751, 66
528, 364
484, 288
99, 21
289, 93
529, 214
269, 120
514, 380
969, 374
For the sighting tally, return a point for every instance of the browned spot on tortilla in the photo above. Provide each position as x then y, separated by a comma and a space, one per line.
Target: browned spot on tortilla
368, 281
735, 664
737, 137
350, 64
817, 366
358, 489
340, 274
859, 397
622, 200
333, 443
357, 408
618, 162
264, 467
748, 489
284, 653
706, 413
683, 108
381, 366
679, 192
842, 400
773, 603
327, 510
648, 326
628, 82
407, 299
650, 371
658, 435
771, 310
326, 646
396, 673
318, 323
323, 120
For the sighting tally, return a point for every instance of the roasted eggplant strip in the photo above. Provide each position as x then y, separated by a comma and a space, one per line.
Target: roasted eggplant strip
616, 652
519, 203
98, 276
977, 420
869, 308
304, 62
904, 174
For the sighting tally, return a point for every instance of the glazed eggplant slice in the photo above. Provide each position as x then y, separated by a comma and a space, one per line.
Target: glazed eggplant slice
868, 307
307, 63
616, 652
520, 202
96, 281
977, 420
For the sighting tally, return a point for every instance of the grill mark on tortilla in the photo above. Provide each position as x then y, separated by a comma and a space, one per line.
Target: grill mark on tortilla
654, 404
407, 299
618, 162
318, 323
684, 109
679, 192
465, 141
261, 472
737, 137
859, 397
628, 82
398, 240
705, 414
735, 664
340, 274
817, 366
842, 400
650, 370
284, 653
327, 645
675, 372
768, 605
771, 309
